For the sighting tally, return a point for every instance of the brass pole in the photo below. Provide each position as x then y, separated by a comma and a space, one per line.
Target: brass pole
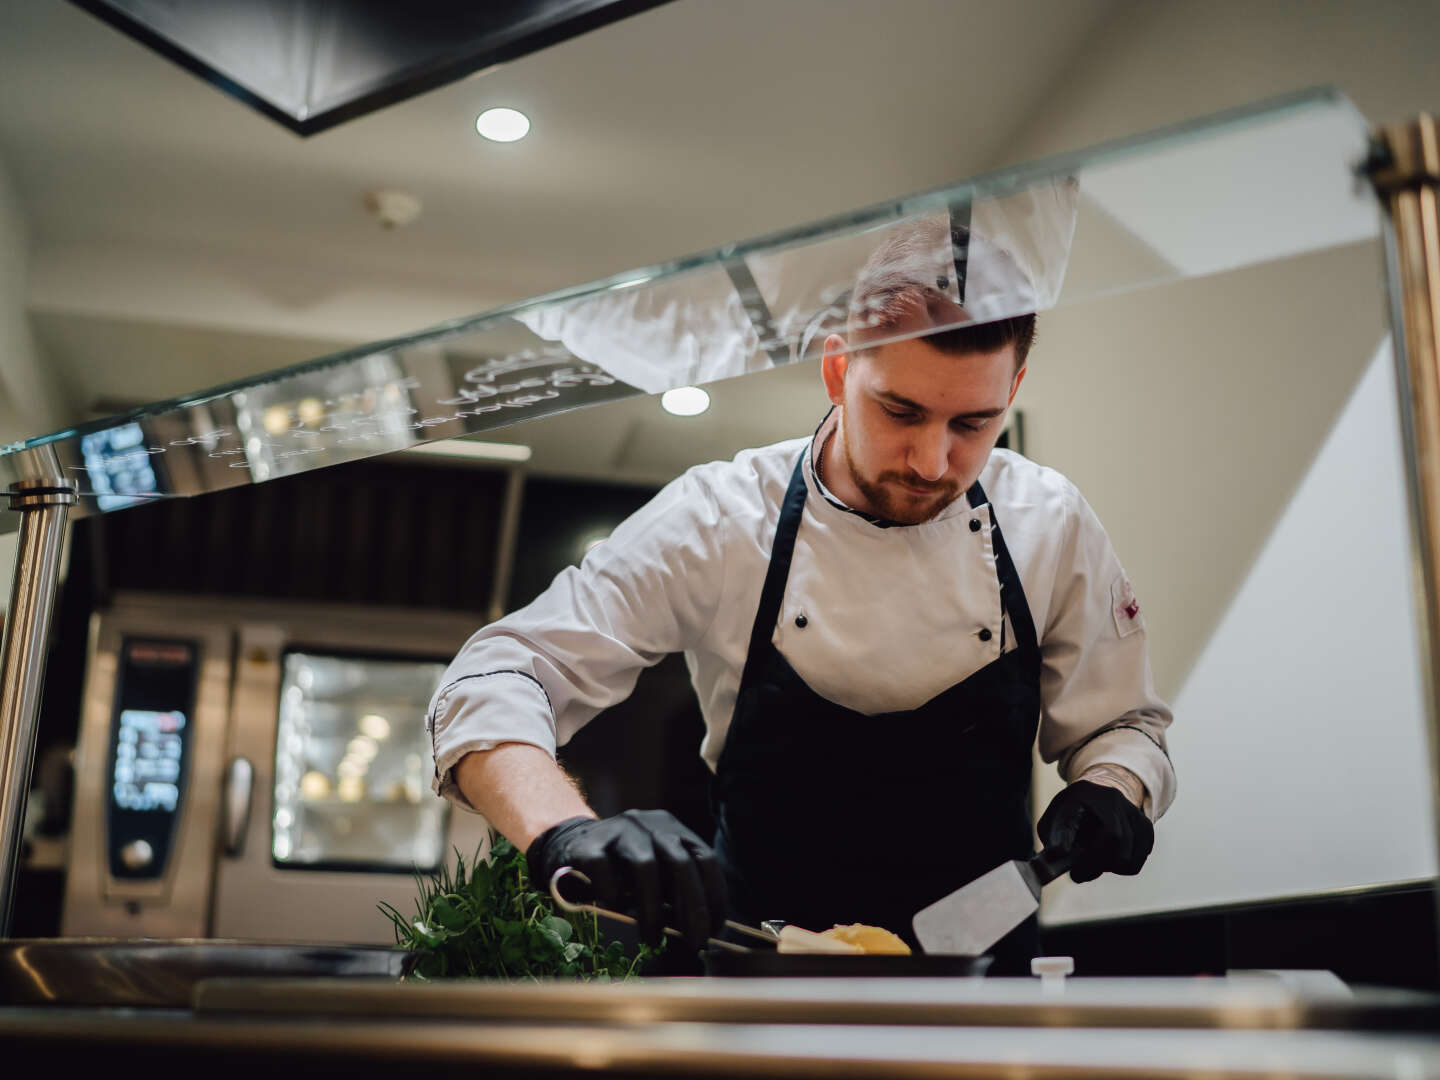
1405, 169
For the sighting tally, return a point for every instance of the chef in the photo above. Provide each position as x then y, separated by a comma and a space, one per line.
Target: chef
880, 620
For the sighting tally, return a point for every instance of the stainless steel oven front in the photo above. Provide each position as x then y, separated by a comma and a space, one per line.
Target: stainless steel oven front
258, 771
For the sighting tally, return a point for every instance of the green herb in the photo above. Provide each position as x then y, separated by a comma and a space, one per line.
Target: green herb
487, 921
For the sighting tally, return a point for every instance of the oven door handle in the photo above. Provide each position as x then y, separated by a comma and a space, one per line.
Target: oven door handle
235, 806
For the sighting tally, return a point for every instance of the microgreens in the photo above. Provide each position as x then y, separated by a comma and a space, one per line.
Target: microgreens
487, 921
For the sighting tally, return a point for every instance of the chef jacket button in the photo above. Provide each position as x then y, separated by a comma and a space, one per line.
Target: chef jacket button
801, 621
974, 524
985, 634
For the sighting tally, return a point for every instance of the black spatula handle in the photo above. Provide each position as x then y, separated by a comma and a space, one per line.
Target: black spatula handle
1051, 863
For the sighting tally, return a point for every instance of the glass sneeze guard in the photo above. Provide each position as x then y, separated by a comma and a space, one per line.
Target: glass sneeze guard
1213, 194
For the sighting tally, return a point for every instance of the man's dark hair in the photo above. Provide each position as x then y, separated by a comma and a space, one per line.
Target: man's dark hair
902, 289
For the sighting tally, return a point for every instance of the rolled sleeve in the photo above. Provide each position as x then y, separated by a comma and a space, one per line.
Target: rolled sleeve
1132, 748
480, 711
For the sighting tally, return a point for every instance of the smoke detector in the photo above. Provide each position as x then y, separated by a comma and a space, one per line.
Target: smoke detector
393, 208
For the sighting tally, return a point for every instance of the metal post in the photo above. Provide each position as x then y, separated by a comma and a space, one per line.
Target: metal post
43, 506
1405, 169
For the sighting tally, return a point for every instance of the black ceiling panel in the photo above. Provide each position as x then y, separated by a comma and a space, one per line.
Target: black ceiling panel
312, 64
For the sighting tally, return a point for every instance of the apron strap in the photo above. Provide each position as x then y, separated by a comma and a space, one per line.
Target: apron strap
772, 594
1012, 594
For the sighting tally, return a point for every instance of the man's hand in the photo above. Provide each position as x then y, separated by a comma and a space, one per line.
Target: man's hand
640, 860
1105, 829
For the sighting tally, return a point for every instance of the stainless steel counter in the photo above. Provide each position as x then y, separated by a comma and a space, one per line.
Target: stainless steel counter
107, 971
199, 1015
1237, 1003
368, 1046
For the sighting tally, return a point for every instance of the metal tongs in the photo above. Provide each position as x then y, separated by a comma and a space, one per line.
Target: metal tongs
769, 936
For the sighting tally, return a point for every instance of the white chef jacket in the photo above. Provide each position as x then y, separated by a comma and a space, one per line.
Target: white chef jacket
893, 616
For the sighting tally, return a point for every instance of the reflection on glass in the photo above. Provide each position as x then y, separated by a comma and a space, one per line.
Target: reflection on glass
351, 785
1258, 184
117, 466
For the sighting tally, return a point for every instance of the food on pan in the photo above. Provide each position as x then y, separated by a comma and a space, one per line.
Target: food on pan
870, 939
795, 940
856, 938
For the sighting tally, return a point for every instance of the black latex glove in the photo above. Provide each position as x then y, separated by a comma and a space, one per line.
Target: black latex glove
1104, 828
639, 861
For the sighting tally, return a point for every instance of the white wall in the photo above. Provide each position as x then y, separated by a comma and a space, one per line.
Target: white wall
1231, 833
1300, 743
1188, 414
1152, 64
29, 400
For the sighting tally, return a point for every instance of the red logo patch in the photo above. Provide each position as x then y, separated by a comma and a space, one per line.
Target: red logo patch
1125, 607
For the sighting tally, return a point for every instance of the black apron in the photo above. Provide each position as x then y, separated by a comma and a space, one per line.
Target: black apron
825, 815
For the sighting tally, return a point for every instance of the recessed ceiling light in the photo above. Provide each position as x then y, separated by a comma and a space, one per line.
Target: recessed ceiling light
502, 125
685, 401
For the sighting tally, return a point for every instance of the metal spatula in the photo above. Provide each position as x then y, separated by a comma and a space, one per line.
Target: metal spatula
974, 917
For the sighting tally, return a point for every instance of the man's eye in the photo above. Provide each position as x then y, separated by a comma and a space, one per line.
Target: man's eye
900, 415
978, 425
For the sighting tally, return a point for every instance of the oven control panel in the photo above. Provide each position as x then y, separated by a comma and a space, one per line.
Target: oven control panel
150, 746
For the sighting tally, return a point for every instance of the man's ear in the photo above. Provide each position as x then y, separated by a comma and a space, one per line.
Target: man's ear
832, 368
1015, 383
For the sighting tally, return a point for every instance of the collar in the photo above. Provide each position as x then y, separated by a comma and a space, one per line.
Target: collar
827, 427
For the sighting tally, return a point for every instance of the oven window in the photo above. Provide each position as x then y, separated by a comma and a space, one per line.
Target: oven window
352, 766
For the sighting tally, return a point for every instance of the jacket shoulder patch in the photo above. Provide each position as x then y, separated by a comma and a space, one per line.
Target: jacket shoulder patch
1125, 607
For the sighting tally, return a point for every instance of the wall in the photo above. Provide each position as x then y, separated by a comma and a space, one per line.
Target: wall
1251, 382
29, 402
1301, 734
1151, 64
26, 393
1189, 412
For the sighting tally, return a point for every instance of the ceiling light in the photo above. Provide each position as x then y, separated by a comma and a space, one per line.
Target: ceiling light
685, 401
502, 125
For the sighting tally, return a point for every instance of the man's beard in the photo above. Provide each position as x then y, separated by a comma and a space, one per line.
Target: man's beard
890, 501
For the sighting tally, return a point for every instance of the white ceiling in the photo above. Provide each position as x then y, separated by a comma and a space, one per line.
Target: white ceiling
693, 124
180, 239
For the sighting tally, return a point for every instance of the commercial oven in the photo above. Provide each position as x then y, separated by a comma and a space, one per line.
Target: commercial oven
257, 770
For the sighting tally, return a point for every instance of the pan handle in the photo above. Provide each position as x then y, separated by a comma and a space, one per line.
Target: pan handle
1051, 863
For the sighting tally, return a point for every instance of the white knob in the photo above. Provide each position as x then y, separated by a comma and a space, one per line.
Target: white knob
137, 855
1052, 971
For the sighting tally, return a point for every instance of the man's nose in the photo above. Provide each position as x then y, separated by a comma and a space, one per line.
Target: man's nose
930, 454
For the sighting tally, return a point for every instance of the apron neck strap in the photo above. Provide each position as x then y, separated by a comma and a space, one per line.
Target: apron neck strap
1012, 594
773, 592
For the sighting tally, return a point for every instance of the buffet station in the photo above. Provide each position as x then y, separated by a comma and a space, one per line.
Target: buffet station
192, 831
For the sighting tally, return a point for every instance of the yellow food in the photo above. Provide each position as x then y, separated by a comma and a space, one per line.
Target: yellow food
870, 939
